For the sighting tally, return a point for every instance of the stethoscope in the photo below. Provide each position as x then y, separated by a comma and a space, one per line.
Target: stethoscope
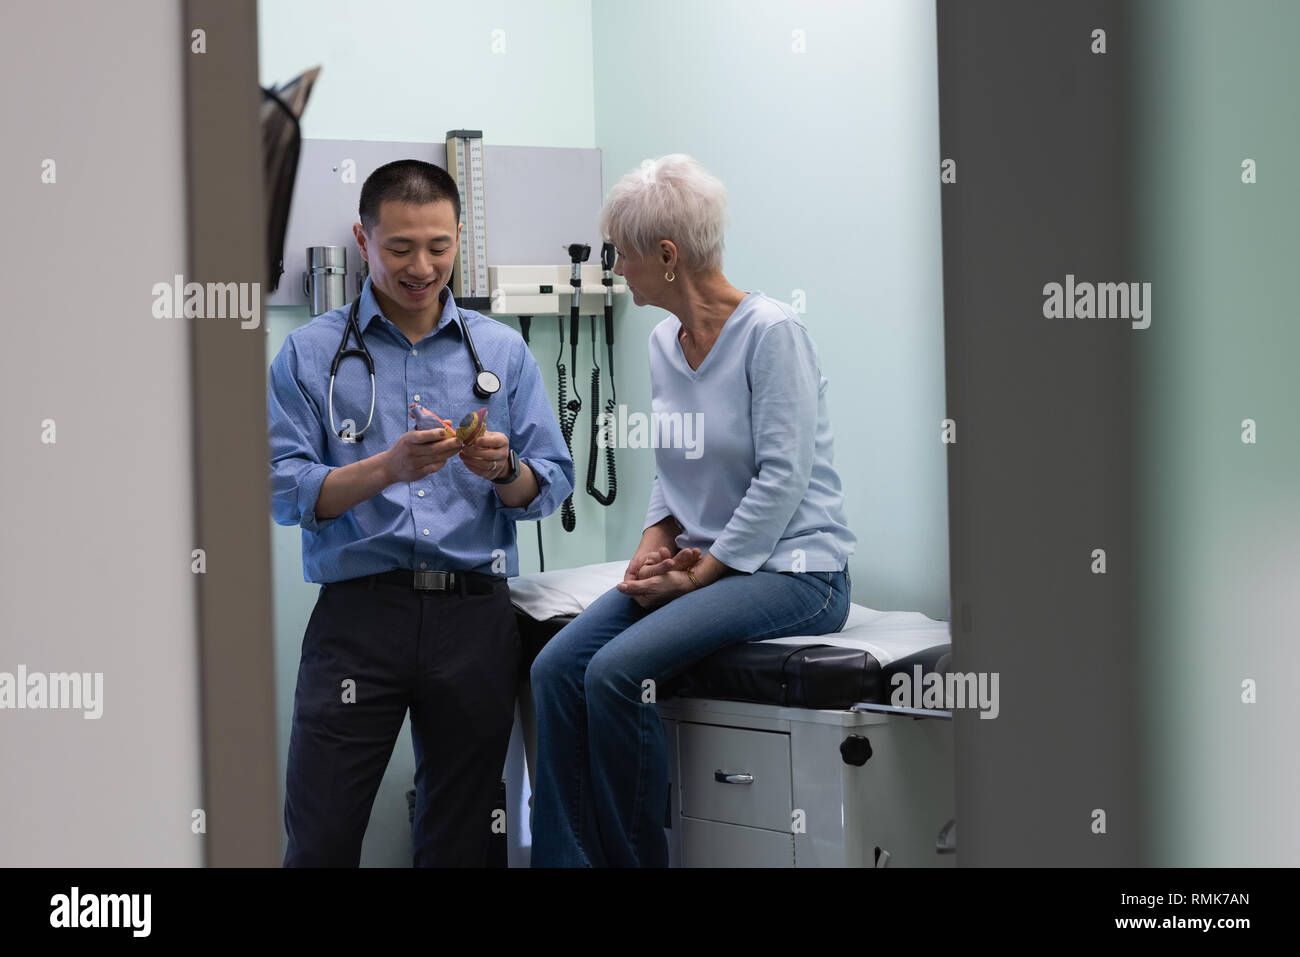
486, 383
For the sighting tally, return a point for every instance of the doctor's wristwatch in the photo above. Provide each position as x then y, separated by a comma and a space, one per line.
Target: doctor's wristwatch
511, 475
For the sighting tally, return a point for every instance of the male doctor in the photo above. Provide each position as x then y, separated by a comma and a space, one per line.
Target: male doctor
411, 534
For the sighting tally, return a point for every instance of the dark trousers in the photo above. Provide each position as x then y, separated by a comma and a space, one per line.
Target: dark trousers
372, 651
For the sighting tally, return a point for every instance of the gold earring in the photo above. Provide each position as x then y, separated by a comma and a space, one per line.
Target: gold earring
670, 276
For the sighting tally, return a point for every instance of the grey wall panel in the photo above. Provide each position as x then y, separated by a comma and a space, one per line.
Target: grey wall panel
229, 407
97, 525
1042, 470
539, 199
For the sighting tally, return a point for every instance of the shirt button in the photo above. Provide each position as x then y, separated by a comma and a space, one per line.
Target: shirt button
420, 493
426, 531
423, 565
414, 352
416, 397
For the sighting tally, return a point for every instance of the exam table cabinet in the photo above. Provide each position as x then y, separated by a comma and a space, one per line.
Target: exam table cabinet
888, 810
769, 763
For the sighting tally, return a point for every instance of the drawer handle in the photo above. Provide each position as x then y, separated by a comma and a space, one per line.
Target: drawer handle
733, 777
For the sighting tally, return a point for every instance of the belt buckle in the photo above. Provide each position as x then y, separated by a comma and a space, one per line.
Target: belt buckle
432, 581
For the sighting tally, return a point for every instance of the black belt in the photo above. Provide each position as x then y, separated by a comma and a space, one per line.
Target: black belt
460, 583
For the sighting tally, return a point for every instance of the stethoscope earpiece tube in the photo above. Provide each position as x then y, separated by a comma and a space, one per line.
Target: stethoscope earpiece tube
362, 353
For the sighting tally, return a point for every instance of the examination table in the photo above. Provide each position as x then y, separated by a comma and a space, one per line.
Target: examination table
786, 752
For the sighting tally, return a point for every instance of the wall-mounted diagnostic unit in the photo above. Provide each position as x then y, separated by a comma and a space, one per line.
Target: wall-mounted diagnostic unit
531, 291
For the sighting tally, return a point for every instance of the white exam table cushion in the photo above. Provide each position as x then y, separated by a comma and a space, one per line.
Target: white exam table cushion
885, 635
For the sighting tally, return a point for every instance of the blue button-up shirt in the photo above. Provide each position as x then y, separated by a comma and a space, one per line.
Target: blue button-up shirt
450, 520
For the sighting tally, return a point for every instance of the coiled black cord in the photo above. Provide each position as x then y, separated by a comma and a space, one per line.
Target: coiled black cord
568, 416
605, 499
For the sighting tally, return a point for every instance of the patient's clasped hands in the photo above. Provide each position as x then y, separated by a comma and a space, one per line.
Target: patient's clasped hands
656, 577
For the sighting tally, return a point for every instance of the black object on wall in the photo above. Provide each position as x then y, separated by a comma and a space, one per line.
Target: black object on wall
282, 108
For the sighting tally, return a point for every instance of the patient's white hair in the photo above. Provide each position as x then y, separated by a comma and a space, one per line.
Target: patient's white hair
673, 198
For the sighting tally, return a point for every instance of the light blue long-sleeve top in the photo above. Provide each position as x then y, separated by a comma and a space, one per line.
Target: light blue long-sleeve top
451, 520
755, 488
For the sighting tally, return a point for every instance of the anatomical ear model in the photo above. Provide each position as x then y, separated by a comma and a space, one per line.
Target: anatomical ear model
473, 425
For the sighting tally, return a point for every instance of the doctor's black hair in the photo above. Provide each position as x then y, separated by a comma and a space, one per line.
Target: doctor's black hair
406, 181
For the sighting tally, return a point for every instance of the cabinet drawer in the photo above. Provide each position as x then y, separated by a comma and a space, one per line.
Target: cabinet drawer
711, 844
762, 757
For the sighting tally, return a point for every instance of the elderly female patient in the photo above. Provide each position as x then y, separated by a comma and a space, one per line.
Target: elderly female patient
744, 538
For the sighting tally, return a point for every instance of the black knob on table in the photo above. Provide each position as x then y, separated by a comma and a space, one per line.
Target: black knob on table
855, 750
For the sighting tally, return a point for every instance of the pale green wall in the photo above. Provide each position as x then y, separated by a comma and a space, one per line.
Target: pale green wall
413, 69
831, 161
399, 71
1218, 84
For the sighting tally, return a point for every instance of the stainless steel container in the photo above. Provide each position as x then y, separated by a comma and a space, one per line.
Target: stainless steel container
325, 278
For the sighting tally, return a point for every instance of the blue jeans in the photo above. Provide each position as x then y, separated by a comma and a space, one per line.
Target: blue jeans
602, 775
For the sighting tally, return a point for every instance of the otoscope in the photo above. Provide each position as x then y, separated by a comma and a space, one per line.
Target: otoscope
579, 253
607, 252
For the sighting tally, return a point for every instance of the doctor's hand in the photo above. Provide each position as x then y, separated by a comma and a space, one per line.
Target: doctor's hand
489, 456
419, 453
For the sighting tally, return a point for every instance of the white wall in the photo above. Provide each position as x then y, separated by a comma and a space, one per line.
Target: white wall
97, 527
